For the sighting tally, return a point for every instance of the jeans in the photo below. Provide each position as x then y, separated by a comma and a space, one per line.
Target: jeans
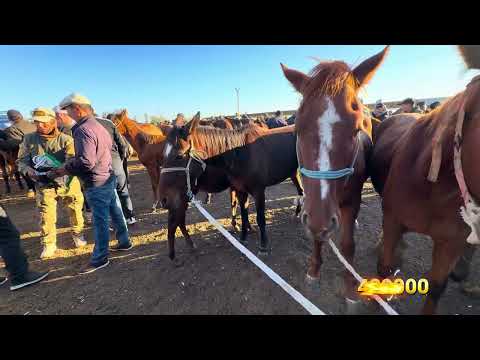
10, 249
105, 203
122, 188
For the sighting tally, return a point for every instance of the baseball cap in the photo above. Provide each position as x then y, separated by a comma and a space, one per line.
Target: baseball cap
42, 114
74, 98
14, 114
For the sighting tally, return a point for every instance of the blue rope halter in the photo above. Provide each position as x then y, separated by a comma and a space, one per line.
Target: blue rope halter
332, 174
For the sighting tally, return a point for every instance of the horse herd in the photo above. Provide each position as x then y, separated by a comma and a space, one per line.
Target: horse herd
422, 166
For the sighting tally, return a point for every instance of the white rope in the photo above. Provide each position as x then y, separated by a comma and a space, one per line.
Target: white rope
386, 307
306, 304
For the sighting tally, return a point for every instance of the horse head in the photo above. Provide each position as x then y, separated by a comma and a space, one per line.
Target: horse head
328, 123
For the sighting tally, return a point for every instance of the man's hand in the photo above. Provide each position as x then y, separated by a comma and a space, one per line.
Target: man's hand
53, 174
32, 174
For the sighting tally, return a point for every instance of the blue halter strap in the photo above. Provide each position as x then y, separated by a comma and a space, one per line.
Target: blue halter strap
332, 174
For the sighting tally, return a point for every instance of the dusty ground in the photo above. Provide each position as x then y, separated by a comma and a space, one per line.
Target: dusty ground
215, 280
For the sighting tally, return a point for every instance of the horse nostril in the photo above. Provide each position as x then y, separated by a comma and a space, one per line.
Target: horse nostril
334, 222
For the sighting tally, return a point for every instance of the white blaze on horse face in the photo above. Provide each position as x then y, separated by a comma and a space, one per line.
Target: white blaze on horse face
168, 148
325, 132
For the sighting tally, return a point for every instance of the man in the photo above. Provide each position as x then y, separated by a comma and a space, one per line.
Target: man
179, 120
48, 140
380, 112
406, 106
93, 165
13, 135
291, 120
14, 257
434, 105
277, 121
120, 151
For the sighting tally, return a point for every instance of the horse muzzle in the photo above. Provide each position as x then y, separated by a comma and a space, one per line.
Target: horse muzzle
320, 232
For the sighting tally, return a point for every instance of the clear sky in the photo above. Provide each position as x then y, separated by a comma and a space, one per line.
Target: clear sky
165, 80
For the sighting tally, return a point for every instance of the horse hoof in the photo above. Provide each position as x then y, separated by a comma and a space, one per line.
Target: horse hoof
312, 280
353, 307
177, 263
262, 253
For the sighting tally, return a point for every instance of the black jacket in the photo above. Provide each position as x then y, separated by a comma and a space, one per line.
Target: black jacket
119, 144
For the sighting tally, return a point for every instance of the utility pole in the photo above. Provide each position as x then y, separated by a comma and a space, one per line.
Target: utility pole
238, 101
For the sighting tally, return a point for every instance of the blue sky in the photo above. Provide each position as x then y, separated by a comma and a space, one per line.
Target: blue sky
166, 80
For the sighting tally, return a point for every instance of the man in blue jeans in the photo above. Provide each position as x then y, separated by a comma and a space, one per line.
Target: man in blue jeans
93, 166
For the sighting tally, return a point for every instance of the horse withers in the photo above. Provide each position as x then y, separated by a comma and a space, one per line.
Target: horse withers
333, 145
426, 170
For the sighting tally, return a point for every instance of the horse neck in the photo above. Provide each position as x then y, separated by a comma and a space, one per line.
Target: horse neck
213, 142
132, 135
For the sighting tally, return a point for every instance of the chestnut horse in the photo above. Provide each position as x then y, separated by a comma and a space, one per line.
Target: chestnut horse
426, 170
333, 144
9, 168
148, 146
249, 159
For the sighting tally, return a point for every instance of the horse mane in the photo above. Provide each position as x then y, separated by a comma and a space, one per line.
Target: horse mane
328, 78
145, 138
217, 141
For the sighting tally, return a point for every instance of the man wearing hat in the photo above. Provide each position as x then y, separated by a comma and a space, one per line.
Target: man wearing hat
406, 106
380, 112
93, 165
48, 140
179, 120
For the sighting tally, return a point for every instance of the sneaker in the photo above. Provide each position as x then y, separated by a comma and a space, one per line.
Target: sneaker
87, 269
79, 240
131, 221
48, 252
29, 278
3, 280
119, 247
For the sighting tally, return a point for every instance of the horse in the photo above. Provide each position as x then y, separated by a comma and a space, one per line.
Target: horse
248, 159
333, 145
9, 167
149, 147
425, 168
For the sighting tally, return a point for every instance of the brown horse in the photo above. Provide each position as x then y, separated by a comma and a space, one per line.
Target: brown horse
333, 144
425, 168
250, 159
149, 146
9, 168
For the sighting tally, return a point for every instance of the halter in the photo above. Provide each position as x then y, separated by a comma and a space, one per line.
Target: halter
192, 156
332, 174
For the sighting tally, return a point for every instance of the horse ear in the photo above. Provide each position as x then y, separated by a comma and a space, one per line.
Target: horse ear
365, 71
123, 113
194, 123
296, 78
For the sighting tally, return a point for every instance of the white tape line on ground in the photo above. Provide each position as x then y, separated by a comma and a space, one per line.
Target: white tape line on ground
307, 305
386, 307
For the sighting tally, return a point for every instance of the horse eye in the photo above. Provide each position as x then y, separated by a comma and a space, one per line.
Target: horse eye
354, 106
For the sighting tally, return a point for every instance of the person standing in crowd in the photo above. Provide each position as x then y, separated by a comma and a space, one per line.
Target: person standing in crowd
48, 140
380, 112
15, 259
93, 165
291, 119
277, 121
179, 121
406, 106
434, 105
120, 151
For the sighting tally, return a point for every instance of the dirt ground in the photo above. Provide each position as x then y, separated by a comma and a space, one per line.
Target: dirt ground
216, 279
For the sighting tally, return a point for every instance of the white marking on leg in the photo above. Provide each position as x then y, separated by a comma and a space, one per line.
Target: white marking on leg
325, 133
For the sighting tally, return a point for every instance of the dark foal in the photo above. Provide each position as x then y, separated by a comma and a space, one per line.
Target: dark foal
426, 169
333, 145
252, 159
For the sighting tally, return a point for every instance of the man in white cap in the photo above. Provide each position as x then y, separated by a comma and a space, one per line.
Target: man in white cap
48, 140
93, 165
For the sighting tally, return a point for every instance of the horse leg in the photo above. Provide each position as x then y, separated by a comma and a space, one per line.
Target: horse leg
298, 185
208, 199
243, 201
173, 223
19, 180
446, 252
186, 235
5, 176
154, 180
233, 207
347, 248
265, 246
392, 234
313, 273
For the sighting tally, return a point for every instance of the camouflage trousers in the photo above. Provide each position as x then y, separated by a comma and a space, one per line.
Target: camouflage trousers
72, 199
